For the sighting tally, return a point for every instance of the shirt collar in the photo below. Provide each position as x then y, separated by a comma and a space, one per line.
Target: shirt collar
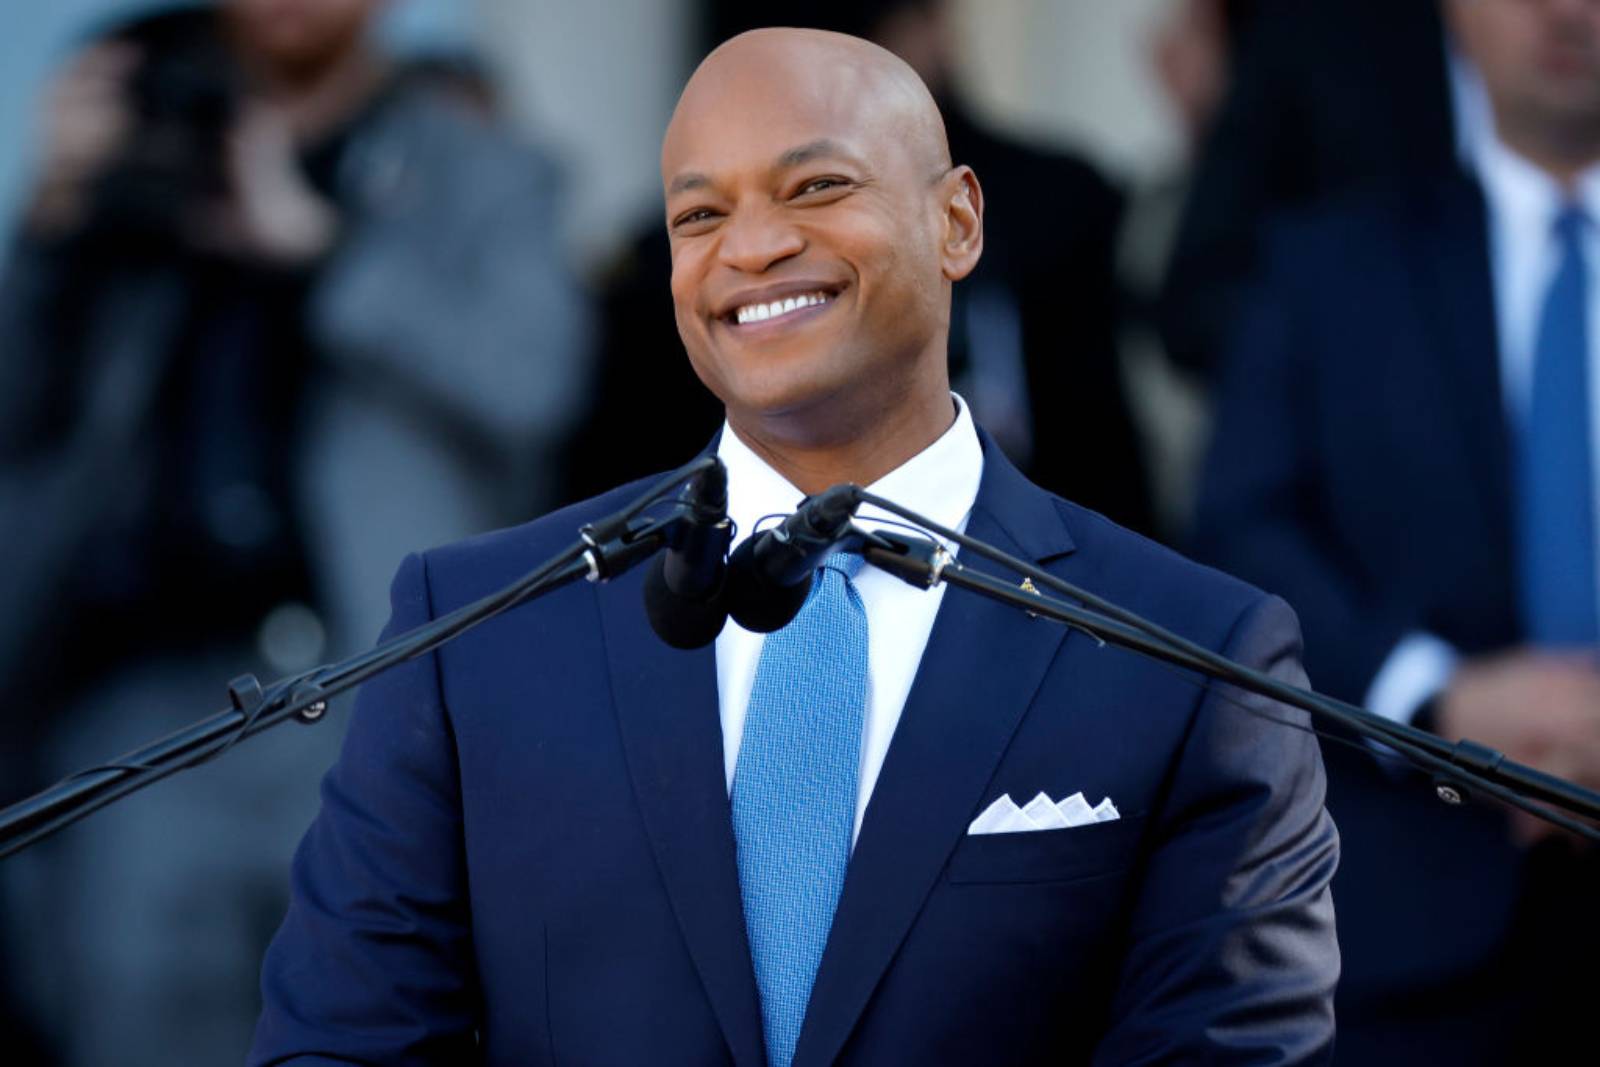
940, 482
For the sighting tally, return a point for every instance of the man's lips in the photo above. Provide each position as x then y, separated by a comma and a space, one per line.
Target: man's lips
747, 314
775, 304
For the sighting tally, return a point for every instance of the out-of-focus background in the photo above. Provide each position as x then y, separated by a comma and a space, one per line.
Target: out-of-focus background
290, 288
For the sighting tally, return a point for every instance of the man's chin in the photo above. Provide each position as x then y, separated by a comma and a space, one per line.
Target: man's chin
808, 413
776, 377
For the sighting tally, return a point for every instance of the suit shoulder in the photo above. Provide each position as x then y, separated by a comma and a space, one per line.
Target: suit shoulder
1135, 572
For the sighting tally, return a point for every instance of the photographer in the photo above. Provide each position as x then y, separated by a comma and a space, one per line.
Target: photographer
274, 315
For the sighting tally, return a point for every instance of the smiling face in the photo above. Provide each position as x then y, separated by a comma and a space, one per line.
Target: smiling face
809, 203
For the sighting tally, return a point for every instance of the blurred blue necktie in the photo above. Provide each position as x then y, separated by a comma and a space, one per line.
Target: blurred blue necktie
1556, 469
794, 793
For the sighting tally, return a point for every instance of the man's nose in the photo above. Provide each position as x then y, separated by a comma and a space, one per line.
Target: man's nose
756, 238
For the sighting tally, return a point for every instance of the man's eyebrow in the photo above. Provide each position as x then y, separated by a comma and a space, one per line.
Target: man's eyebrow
818, 149
686, 181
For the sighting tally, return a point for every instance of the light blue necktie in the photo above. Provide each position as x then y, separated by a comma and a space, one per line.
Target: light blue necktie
794, 793
1556, 538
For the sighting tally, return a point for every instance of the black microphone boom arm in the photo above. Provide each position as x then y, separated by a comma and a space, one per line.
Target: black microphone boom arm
1457, 769
603, 550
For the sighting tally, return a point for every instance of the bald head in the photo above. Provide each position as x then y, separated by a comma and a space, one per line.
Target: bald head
856, 84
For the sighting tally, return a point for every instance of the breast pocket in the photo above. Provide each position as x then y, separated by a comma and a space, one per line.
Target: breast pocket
1070, 854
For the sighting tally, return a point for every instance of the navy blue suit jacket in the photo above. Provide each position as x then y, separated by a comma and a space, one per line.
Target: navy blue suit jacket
525, 856
1360, 469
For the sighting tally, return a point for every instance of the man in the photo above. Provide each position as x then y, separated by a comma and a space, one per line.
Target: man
1404, 451
271, 315
1038, 318
598, 855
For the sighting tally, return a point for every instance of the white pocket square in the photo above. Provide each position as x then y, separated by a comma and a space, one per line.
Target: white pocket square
1041, 813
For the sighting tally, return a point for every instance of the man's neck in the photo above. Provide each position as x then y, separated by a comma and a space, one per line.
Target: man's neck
1564, 158
813, 461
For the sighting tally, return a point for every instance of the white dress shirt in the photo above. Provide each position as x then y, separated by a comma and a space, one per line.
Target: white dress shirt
940, 482
1524, 253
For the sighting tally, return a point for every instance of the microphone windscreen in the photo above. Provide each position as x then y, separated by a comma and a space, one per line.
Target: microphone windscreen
757, 603
680, 621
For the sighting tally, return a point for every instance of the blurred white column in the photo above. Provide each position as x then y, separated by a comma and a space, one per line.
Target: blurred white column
596, 82
1073, 72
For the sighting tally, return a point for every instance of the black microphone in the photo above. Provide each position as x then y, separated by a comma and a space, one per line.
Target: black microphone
770, 574
685, 587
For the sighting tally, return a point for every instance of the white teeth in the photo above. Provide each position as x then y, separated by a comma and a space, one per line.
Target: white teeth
763, 312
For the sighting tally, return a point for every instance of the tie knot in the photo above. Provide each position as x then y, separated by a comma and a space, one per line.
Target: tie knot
1570, 223
846, 563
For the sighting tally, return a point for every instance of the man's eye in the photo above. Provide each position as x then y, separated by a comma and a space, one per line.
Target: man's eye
689, 218
817, 185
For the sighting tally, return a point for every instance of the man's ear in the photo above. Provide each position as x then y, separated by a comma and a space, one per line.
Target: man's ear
962, 198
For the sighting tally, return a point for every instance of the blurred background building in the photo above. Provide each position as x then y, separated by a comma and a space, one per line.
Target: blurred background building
437, 302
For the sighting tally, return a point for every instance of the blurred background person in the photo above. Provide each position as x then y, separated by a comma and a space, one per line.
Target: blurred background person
1189, 52
1038, 321
1321, 98
1405, 450
278, 312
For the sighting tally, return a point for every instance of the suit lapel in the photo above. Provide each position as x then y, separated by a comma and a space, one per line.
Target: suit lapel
982, 666
672, 734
